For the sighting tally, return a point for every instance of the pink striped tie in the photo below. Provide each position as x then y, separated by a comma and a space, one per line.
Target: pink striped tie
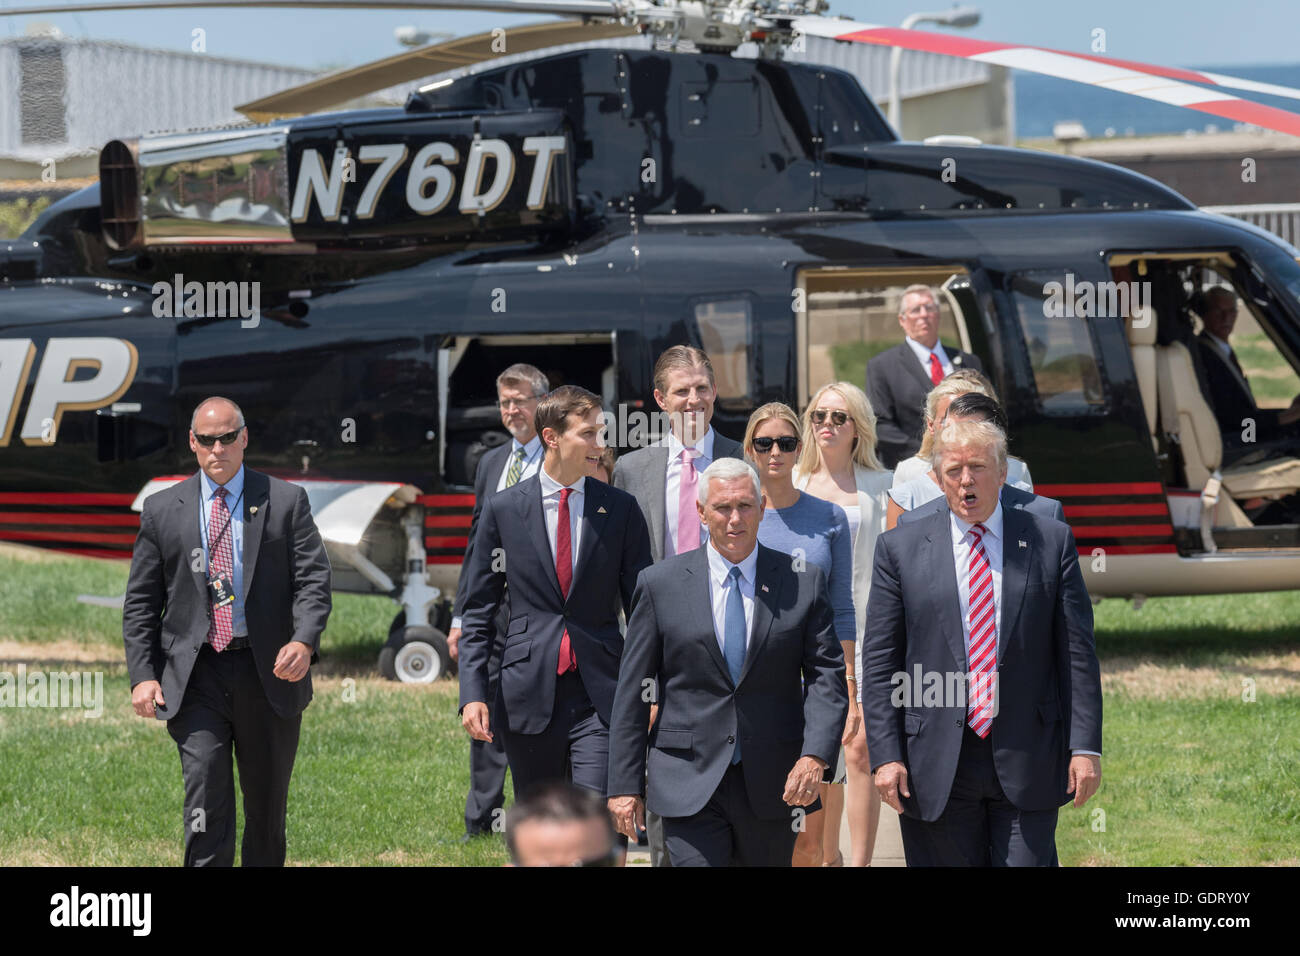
688, 517
982, 653
222, 561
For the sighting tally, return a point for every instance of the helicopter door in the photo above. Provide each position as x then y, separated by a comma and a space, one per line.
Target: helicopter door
849, 315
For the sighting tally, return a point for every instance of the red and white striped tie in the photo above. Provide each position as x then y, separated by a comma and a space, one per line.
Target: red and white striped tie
982, 652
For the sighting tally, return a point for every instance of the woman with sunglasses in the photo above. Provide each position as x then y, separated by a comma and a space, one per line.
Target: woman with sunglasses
816, 533
839, 465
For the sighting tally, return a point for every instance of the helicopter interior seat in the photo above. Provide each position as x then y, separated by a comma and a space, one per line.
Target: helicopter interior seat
1142, 345
1187, 419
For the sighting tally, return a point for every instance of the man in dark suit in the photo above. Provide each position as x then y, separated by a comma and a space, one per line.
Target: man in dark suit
1230, 394
663, 477
519, 389
567, 548
982, 692
898, 379
726, 633
228, 595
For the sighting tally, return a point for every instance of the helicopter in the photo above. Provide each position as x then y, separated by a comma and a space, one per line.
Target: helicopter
355, 281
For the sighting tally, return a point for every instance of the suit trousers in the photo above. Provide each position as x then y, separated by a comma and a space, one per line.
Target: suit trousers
979, 826
225, 708
574, 746
487, 759
727, 833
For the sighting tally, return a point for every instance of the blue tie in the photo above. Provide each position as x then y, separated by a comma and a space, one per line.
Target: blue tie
733, 638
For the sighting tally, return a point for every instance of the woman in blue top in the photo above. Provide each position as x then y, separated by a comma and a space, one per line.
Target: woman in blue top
814, 533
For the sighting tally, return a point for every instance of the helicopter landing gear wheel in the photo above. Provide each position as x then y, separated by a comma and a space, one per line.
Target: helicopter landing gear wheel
415, 655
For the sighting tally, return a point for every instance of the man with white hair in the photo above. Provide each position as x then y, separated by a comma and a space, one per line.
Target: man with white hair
981, 689
750, 688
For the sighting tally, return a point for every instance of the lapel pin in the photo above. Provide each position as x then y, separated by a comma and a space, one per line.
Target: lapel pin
601, 510
764, 587
253, 510
1023, 545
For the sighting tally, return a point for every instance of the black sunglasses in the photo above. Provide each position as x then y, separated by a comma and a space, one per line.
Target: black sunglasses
838, 418
787, 443
207, 441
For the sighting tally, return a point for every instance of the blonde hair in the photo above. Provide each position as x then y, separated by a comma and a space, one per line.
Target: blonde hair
960, 382
765, 413
864, 429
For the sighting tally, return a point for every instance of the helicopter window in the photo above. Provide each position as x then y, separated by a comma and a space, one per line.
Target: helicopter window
1059, 344
723, 331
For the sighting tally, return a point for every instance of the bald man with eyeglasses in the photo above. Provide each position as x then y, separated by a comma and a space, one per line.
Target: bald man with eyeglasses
228, 596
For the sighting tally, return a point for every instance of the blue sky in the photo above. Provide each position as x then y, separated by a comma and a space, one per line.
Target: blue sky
1167, 32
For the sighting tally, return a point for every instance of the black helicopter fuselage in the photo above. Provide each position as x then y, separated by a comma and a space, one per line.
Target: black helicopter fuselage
378, 340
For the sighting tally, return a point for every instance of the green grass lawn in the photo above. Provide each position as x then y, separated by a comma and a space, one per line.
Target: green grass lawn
1192, 774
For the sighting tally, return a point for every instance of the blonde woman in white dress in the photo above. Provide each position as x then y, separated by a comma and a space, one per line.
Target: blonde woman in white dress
839, 465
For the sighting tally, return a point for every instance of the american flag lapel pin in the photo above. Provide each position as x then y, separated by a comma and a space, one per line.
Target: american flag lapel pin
1023, 545
764, 587
601, 510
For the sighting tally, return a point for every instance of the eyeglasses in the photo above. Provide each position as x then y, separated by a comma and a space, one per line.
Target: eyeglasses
918, 309
787, 443
510, 403
838, 418
207, 441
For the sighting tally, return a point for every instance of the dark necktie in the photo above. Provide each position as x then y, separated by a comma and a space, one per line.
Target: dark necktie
564, 571
733, 637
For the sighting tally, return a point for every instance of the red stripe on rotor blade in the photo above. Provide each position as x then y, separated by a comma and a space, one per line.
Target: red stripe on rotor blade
1169, 72
1244, 111
1101, 488
925, 42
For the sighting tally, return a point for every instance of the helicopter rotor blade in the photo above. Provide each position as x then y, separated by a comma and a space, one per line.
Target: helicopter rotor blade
454, 54
1168, 85
588, 8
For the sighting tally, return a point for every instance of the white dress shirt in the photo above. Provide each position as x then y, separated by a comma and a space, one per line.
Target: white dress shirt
551, 512
719, 568
923, 356
962, 542
532, 460
673, 482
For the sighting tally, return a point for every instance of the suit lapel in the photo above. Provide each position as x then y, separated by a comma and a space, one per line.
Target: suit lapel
1016, 562
189, 502
767, 592
594, 521
257, 491
943, 582
656, 487
914, 367
697, 591
530, 508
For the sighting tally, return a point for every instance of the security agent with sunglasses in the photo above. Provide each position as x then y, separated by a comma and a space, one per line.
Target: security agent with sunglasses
228, 595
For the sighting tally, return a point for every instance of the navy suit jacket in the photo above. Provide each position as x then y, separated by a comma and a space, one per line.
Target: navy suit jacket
897, 386
511, 550
1012, 497
1049, 683
777, 716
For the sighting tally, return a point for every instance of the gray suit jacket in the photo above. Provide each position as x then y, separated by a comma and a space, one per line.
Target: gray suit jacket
790, 700
643, 474
1012, 497
1048, 691
286, 588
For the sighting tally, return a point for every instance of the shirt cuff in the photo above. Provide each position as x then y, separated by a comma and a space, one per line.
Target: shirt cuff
455, 622
1089, 753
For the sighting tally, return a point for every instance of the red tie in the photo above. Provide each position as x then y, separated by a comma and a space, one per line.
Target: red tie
564, 571
982, 653
936, 370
